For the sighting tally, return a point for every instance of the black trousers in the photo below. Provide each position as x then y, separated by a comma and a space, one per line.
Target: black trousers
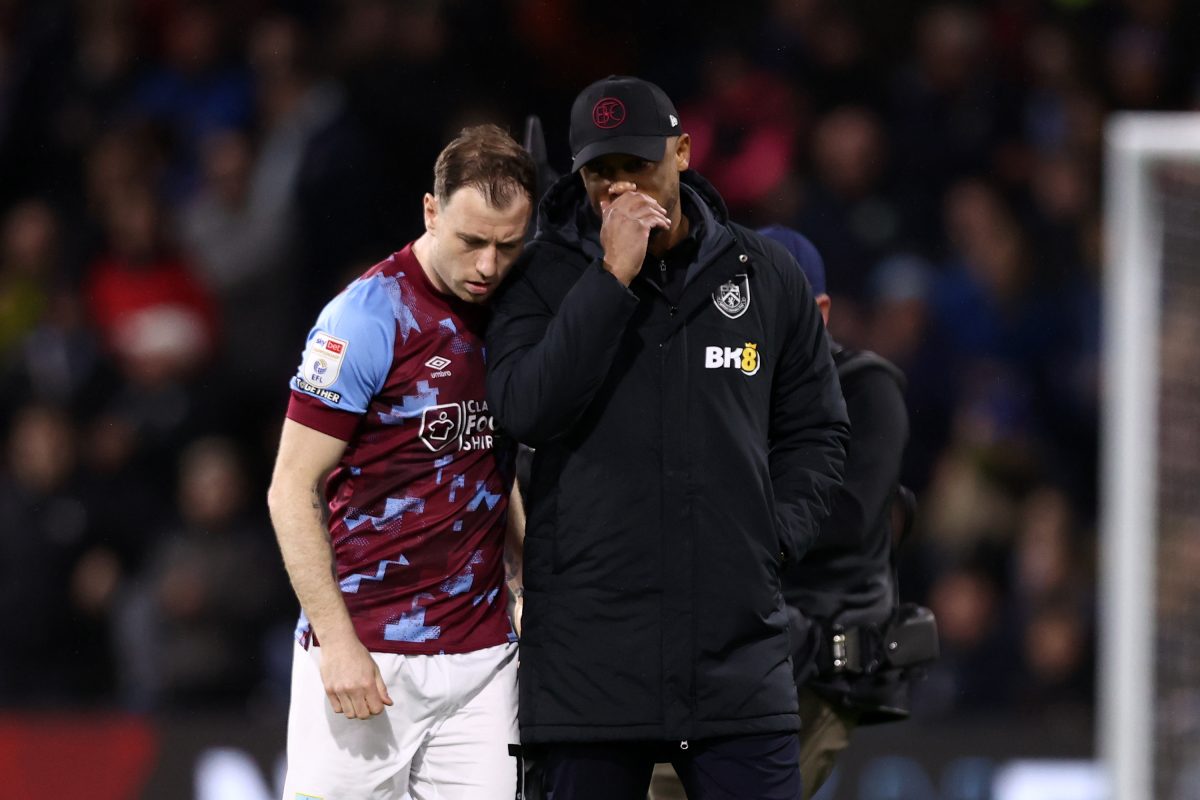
762, 767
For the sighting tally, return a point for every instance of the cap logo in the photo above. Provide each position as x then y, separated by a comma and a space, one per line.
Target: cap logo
609, 112
674, 120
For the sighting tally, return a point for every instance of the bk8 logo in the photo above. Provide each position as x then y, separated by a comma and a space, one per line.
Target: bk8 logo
746, 358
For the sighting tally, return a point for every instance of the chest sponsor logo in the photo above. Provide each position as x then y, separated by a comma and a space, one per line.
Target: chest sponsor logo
732, 297
438, 364
745, 359
323, 360
457, 426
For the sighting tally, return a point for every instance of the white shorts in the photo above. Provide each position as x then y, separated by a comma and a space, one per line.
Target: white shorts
445, 736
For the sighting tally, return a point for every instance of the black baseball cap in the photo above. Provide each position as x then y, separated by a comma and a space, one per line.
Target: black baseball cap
620, 114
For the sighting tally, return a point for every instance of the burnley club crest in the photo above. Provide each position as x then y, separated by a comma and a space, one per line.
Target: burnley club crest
732, 298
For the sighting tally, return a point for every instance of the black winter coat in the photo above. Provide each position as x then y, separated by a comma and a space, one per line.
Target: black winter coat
847, 576
684, 453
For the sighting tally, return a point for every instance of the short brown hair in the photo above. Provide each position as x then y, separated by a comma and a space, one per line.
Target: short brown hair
488, 159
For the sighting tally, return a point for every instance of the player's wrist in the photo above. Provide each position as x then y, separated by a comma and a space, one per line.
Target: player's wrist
340, 638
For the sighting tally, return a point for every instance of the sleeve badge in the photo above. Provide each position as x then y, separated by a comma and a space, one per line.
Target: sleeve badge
323, 359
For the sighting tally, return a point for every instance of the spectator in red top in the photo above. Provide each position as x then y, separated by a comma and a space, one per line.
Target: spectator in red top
744, 132
152, 313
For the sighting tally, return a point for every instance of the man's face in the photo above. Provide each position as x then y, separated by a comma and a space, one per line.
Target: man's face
475, 245
608, 177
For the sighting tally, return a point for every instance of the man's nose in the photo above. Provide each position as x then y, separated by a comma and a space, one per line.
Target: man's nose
619, 185
486, 263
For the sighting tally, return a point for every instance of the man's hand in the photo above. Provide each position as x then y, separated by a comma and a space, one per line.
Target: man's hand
352, 680
627, 218
516, 603
514, 549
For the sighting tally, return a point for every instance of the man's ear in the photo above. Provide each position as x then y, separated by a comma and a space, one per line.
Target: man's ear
823, 305
683, 152
430, 207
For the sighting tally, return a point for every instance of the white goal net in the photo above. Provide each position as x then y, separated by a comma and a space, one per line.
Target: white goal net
1149, 725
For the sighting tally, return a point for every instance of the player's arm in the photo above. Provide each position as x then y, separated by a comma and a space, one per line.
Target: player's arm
346, 361
351, 677
514, 556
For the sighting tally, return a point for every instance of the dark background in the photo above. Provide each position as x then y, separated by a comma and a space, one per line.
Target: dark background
184, 184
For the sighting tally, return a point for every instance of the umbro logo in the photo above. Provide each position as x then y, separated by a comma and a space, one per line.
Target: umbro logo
438, 364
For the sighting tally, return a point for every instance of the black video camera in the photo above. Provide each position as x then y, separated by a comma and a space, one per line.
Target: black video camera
909, 639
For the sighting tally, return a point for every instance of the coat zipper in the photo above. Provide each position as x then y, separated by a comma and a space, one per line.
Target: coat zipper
662, 271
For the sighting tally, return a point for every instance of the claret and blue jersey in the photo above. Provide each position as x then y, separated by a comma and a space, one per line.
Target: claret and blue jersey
418, 503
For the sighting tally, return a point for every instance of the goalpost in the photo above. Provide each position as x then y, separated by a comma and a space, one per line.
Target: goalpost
1149, 588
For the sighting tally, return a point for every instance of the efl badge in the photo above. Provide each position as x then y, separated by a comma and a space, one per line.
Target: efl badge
441, 426
323, 359
732, 298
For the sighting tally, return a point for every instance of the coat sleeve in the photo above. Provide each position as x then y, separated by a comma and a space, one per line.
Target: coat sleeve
545, 364
809, 429
879, 418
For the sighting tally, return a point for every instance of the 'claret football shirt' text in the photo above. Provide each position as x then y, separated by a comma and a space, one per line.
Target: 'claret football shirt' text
417, 504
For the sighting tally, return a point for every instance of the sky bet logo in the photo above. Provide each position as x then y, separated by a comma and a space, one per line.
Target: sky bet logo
745, 358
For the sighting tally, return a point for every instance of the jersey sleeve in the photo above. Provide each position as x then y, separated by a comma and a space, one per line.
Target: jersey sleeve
346, 360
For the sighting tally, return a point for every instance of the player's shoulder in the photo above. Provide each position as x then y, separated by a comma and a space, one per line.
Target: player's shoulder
369, 302
359, 325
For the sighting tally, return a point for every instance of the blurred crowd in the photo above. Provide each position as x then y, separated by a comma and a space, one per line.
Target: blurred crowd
183, 183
